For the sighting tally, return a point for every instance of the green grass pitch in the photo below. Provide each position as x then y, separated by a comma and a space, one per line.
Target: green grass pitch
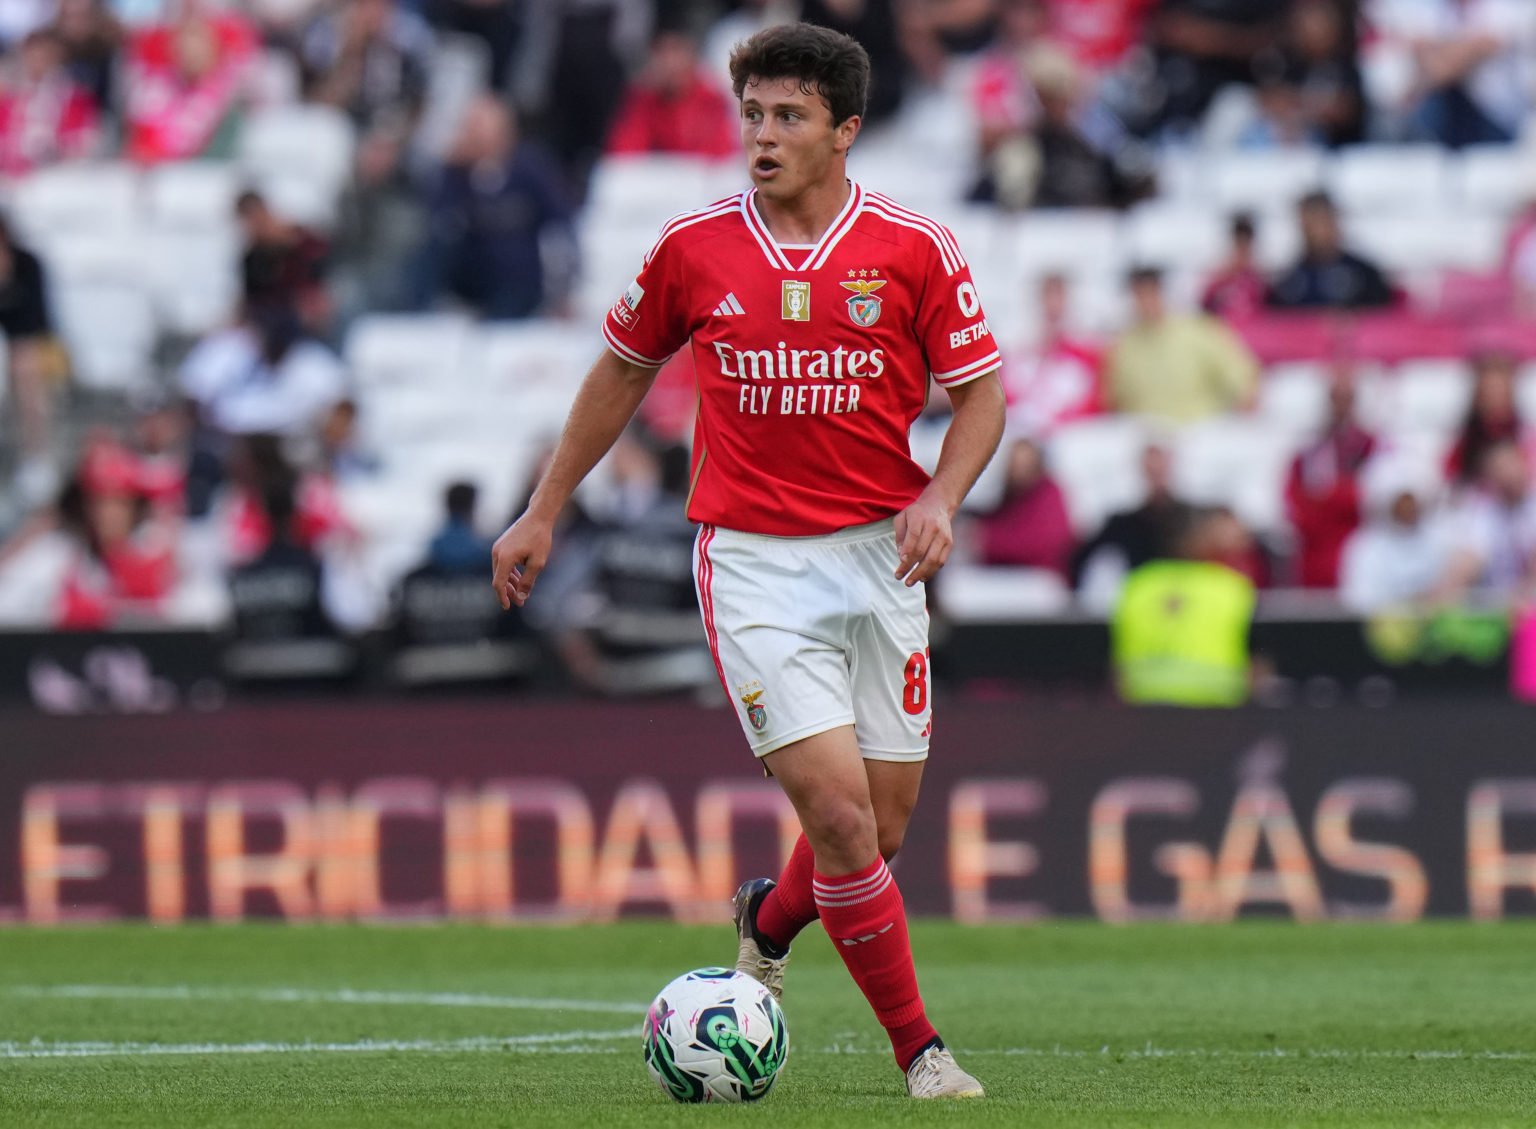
1067, 1024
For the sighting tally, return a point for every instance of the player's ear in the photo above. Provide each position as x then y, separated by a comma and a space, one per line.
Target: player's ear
845, 131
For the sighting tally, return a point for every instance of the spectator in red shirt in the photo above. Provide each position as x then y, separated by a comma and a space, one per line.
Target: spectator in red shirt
1323, 492
674, 107
1030, 527
125, 557
1098, 33
1238, 289
1058, 379
45, 116
183, 81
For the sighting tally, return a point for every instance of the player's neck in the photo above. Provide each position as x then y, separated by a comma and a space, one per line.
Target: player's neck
806, 217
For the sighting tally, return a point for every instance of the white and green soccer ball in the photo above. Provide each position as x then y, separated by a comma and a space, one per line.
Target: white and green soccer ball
714, 1035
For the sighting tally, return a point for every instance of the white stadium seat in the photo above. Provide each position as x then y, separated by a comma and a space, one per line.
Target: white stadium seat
1097, 463
193, 276
646, 191
1072, 241
1393, 177
518, 359
1235, 461
95, 197
1170, 234
1265, 180
1409, 241
1525, 391
192, 194
110, 330
407, 350
1496, 178
1432, 395
972, 593
299, 156
1293, 398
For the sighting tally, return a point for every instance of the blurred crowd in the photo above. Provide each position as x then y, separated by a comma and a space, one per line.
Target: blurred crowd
218, 493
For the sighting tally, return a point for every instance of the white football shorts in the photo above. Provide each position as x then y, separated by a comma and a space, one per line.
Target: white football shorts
811, 633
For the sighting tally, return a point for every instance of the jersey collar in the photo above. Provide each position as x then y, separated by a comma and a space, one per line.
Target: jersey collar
823, 249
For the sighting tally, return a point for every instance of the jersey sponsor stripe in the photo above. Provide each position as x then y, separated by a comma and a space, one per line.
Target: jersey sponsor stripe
953, 261
626, 352
946, 236
969, 372
688, 219
706, 577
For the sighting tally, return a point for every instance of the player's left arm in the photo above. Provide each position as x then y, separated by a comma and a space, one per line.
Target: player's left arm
924, 530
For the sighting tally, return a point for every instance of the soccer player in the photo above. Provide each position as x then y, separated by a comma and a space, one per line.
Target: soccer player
816, 312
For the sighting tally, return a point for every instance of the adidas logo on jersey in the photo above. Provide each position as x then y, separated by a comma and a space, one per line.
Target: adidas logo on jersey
729, 308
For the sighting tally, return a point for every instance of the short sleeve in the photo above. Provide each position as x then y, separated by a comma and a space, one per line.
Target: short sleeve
649, 322
956, 339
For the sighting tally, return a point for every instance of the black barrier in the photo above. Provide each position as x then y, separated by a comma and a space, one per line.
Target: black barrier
1312, 659
553, 812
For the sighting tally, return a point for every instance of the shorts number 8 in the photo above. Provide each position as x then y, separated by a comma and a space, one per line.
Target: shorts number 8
914, 694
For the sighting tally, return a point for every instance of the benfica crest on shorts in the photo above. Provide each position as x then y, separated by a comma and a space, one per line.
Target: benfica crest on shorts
757, 713
864, 306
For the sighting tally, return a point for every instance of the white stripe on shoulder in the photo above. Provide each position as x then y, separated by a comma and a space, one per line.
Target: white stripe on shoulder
943, 232
688, 219
969, 372
952, 261
940, 232
627, 353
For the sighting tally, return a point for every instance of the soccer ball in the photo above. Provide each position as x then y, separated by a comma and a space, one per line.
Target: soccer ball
714, 1035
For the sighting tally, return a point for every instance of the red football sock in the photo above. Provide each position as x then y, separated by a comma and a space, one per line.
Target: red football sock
864, 915
790, 906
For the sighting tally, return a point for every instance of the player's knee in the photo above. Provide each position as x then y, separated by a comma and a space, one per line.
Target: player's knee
842, 831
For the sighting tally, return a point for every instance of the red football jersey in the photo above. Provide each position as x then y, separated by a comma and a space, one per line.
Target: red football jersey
812, 361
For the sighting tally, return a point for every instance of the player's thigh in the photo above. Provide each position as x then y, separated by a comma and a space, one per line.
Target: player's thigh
888, 664
773, 631
825, 779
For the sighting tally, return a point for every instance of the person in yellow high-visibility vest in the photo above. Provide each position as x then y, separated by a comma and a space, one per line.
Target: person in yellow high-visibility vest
1179, 636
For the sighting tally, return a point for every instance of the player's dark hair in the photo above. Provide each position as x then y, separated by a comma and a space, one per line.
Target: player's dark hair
825, 63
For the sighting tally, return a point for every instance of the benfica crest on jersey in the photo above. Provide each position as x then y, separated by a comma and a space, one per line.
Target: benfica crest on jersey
864, 305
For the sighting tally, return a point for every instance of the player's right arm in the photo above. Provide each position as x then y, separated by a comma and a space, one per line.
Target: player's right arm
648, 323
607, 400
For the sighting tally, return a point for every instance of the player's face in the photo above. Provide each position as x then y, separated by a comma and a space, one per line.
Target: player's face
791, 142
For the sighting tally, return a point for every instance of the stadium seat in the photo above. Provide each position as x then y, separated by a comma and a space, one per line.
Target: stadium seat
1265, 180
96, 197
192, 194
1495, 178
1408, 241
1410, 178
1525, 391
1097, 463
109, 328
1235, 461
300, 156
978, 593
1293, 398
407, 350
646, 191
518, 359
193, 276
458, 71
1176, 234
1071, 241
1432, 395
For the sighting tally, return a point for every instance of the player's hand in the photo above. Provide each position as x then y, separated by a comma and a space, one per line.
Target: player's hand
923, 539
517, 558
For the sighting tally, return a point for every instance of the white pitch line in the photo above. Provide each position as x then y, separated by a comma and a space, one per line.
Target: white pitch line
563, 1042
190, 993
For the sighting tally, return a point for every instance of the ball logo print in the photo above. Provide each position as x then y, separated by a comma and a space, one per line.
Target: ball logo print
714, 1035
